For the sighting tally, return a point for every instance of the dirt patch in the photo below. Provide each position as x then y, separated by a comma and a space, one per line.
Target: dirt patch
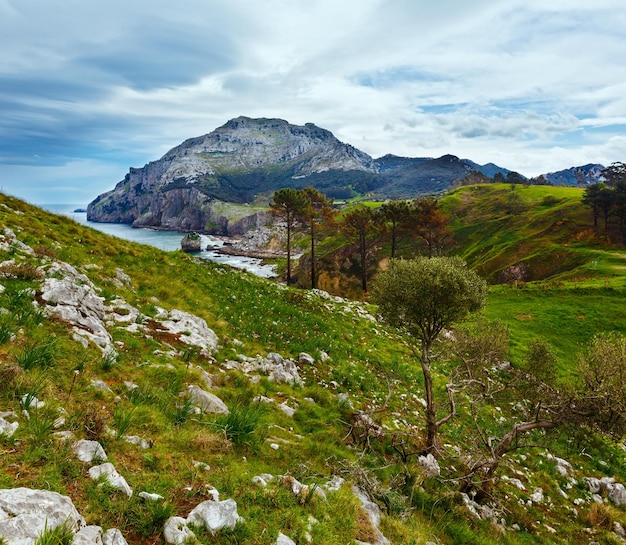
524, 317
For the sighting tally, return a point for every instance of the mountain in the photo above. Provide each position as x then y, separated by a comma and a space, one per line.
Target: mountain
576, 176
241, 161
247, 160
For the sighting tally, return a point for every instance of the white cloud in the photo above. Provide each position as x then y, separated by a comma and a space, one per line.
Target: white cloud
530, 85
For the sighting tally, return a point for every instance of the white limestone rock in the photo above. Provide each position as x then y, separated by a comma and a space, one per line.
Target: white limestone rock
89, 535
373, 512
176, 531
27, 513
215, 515
305, 359
430, 466
89, 451
192, 330
113, 537
206, 401
8, 428
282, 539
112, 477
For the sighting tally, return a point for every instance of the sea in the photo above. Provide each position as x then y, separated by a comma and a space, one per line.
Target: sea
164, 240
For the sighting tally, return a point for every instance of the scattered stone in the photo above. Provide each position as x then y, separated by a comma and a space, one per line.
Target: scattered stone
150, 497
65, 435
537, 495
305, 359
71, 297
289, 411
89, 451
334, 484
282, 539
137, 441
29, 401
215, 515
100, 385
113, 537
430, 466
8, 428
112, 477
122, 279
176, 531
617, 494
344, 400
206, 401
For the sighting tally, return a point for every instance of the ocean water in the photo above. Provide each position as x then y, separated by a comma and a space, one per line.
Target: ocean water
164, 240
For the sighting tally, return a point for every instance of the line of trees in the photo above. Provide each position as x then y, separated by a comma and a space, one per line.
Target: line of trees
420, 225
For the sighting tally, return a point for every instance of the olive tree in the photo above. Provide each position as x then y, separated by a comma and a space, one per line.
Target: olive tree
421, 297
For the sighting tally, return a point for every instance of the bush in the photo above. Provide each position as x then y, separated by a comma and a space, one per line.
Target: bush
42, 356
241, 423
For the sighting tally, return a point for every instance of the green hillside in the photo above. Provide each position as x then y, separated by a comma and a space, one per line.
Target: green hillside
306, 432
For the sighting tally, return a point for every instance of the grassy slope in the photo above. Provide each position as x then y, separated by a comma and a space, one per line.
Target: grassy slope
577, 278
265, 317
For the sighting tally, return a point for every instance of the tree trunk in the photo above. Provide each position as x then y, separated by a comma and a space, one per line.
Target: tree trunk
363, 248
313, 272
432, 429
288, 253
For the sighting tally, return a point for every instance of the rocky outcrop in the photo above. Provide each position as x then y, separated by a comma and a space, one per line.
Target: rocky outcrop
192, 242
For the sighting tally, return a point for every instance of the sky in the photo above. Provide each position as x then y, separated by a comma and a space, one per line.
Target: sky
91, 88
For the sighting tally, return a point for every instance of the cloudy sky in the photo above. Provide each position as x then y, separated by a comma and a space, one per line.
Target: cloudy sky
91, 88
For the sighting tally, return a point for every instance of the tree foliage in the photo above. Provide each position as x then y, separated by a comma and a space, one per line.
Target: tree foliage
421, 297
360, 225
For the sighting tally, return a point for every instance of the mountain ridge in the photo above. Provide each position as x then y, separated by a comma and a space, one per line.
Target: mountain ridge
248, 159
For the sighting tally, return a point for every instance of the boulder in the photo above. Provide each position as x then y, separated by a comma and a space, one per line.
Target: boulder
191, 330
71, 297
89, 451
112, 477
191, 242
206, 401
26, 513
215, 515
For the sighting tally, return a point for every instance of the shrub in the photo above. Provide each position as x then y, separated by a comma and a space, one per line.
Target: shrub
599, 515
42, 356
241, 423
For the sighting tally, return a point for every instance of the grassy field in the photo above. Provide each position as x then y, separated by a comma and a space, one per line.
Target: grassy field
366, 363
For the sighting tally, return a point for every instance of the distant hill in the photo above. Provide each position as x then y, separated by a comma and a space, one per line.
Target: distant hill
576, 176
247, 160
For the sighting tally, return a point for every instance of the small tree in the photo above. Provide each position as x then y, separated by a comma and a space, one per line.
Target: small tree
422, 297
289, 205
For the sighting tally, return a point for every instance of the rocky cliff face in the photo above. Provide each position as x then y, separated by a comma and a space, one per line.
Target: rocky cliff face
237, 162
